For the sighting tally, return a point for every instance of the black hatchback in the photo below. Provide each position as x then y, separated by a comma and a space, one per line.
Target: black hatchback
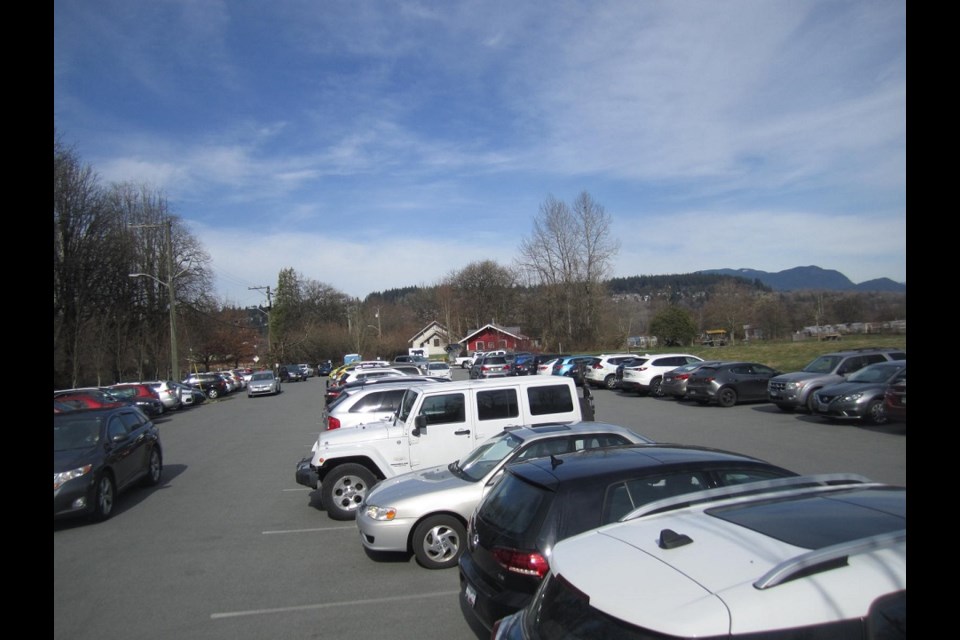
539, 502
98, 454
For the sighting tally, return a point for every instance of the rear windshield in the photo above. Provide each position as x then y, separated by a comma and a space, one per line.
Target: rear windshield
514, 505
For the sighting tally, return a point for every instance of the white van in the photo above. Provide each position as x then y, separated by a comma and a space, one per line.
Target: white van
435, 425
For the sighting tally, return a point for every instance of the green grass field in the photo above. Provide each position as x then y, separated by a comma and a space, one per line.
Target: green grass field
787, 356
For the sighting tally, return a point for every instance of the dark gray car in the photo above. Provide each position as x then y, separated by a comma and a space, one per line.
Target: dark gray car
730, 383
860, 398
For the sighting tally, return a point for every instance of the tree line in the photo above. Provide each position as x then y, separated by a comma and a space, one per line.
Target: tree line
558, 291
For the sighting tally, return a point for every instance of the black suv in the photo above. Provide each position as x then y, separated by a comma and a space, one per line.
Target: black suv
99, 453
211, 384
791, 391
291, 373
539, 502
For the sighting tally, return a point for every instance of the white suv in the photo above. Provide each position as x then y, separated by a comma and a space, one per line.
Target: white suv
604, 373
807, 557
366, 405
647, 376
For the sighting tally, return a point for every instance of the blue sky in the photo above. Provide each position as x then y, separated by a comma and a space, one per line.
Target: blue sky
380, 144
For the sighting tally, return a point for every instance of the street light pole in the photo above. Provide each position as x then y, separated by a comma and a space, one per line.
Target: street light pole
171, 292
174, 354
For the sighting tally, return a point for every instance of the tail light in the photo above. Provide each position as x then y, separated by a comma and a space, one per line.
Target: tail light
332, 423
598, 366
526, 563
682, 376
506, 367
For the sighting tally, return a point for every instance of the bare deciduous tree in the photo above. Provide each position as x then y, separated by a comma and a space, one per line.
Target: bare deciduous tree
568, 256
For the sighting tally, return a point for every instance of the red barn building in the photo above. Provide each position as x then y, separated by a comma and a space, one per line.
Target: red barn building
491, 337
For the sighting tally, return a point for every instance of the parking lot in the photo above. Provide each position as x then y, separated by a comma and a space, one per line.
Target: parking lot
229, 546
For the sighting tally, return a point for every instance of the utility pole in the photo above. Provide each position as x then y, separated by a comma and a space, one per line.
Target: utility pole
174, 354
267, 312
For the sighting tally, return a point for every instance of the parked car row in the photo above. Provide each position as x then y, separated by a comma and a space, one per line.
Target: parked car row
106, 441
566, 527
502, 513
849, 385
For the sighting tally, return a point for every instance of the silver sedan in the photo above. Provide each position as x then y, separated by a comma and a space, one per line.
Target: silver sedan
426, 511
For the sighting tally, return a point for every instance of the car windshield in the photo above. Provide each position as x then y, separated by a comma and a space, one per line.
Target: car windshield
75, 432
876, 373
409, 399
263, 375
823, 364
485, 457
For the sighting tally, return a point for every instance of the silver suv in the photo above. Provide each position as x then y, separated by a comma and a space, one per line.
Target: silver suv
791, 391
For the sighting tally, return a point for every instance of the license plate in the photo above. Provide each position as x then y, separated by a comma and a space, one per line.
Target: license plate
471, 595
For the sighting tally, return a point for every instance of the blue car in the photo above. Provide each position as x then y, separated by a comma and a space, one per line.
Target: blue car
522, 364
569, 365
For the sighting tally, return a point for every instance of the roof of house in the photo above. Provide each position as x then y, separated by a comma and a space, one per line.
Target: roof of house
510, 331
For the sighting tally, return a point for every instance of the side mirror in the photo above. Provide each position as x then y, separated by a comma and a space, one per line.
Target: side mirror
420, 425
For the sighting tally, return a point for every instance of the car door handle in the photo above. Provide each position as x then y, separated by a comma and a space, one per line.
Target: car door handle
462, 432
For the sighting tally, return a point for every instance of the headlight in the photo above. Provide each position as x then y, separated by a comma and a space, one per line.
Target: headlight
60, 479
795, 385
852, 397
380, 513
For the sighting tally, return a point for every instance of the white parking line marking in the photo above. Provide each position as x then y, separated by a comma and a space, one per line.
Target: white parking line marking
300, 489
267, 533
329, 605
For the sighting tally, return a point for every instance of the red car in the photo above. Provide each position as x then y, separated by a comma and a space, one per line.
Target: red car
895, 401
142, 395
88, 399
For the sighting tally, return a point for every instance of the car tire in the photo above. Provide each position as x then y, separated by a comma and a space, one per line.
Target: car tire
812, 402
213, 394
154, 469
876, 413
610, 382
439, 541
727, 397
656, 389
344, 489
104, 498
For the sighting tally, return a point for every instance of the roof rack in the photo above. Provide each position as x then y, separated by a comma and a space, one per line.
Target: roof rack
826, 558
826, 480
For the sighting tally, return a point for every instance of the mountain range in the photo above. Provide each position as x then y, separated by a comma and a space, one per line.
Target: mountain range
811, 278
